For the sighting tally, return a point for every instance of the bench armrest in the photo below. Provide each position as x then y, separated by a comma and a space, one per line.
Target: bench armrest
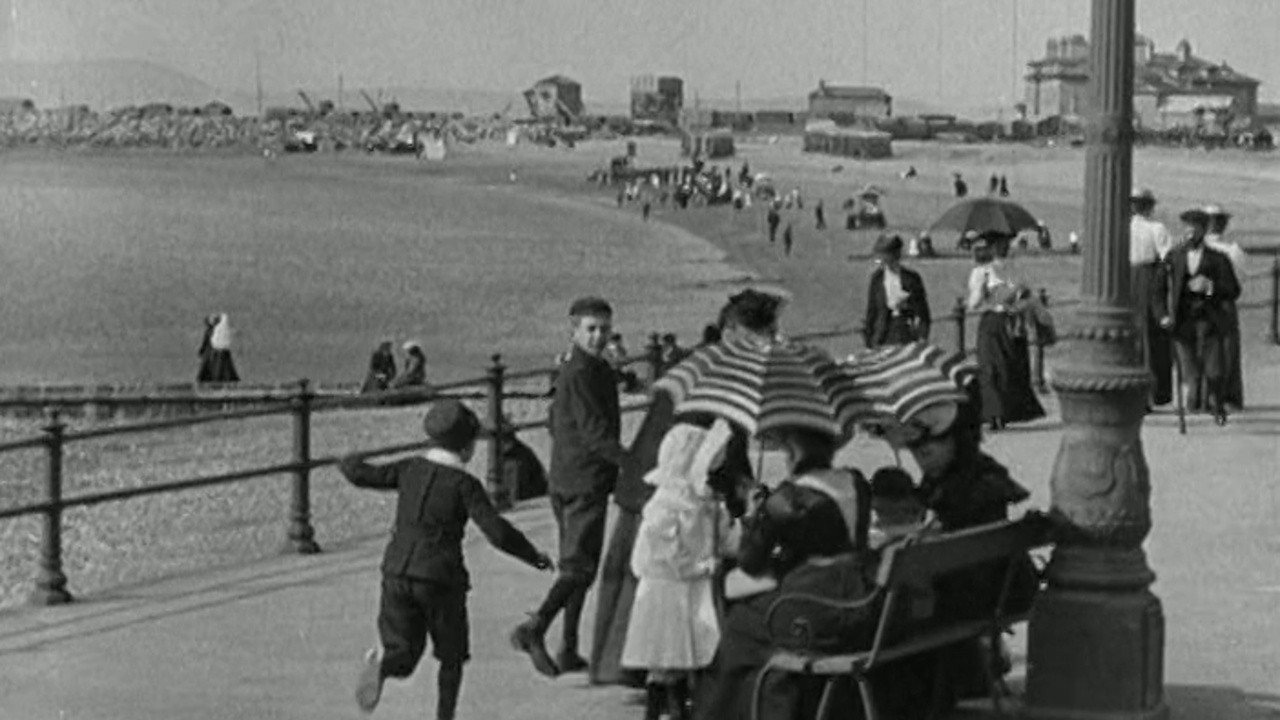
798, 631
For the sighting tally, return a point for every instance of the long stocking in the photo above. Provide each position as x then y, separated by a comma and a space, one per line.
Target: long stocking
449, 685
572, 618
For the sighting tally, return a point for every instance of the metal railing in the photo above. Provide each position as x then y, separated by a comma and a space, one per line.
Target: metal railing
51, 582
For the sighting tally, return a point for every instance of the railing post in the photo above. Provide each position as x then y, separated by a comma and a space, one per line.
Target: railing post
301, 534
1041, 387
498, 491
1275, 300
958, 315
653, 355
51, 582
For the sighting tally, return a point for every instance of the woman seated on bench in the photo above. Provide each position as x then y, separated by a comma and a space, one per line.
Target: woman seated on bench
963, 487
807, 536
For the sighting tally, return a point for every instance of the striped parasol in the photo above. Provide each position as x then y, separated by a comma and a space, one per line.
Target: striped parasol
901, 381
767, 386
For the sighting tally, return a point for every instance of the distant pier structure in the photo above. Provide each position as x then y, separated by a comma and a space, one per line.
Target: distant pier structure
657, 98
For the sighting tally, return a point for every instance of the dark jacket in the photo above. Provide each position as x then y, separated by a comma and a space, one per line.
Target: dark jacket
879, 317
382, 367
435, 501
586, 427
1183, 306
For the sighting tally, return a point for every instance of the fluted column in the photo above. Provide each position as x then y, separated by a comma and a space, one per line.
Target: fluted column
1096, 643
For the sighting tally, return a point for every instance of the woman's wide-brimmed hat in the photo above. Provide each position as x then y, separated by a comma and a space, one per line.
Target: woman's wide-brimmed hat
1216, 211
1195, 216
888, 245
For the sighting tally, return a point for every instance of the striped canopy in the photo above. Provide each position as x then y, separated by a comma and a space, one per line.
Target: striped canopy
901, 381
766, 386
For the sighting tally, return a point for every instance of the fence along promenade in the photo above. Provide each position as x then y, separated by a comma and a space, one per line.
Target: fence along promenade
51, 582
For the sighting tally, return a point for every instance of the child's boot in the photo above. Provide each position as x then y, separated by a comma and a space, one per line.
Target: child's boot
679, 700
655, 701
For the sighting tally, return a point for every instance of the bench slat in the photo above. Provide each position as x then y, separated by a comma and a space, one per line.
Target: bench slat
919, 564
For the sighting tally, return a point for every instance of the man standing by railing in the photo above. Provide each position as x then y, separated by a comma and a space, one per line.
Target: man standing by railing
1149, 243
586, 452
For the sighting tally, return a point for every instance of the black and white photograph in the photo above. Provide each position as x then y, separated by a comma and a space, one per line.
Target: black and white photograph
644, 360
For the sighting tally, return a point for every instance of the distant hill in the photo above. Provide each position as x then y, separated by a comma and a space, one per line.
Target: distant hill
103, 84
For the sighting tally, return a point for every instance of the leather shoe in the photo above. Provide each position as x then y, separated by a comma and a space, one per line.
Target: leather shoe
570, 662
528, 638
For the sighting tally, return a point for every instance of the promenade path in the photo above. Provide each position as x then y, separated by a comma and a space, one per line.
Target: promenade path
282, 639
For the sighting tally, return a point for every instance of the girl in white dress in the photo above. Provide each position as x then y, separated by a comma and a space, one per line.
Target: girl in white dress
673, 629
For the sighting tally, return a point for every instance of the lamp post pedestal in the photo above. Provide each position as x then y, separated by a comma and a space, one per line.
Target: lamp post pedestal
1095, 648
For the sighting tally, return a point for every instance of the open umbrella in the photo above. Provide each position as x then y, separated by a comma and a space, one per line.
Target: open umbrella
903, 381
766, 386
872, 192
986, 215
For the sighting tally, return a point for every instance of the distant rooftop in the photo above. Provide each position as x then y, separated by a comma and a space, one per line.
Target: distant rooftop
557, 80
849, 92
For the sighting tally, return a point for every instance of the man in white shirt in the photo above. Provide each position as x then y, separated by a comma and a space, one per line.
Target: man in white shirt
1233, 383
1149, 244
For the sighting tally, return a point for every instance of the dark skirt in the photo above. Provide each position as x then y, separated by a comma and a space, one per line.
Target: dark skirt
1004, 372
217, 367
1233, 383
901, 331
615, 594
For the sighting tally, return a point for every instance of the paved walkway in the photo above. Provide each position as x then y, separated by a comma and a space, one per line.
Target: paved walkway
282, 639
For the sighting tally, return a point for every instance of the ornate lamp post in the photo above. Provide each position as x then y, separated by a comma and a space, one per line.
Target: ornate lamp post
1096, 644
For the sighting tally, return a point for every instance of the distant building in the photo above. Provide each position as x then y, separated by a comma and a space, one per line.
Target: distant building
1170, 89
831, 102
657, 98
555, 98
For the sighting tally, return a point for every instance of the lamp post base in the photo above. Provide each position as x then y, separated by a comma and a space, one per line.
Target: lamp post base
1097, 654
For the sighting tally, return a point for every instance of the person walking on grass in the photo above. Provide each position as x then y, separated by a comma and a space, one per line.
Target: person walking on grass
819, 217
773, 219
424, 578
586, 453
787, 240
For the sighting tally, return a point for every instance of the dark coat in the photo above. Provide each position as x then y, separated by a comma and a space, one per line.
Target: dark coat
1184, 307
879, 324
382, 367
586, 427
432, 509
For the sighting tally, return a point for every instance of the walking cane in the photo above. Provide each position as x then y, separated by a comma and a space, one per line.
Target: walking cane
1177, 389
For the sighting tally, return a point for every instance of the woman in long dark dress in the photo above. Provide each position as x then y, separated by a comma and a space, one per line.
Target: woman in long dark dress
809, 536
221, 366
963, 487
205, 353
750, 314
1004, 356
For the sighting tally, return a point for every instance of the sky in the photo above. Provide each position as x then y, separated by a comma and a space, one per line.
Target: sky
950, 52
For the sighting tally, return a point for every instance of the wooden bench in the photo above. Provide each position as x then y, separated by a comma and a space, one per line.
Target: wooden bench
905, 571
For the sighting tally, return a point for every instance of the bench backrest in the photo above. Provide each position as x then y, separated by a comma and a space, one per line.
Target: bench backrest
918, 564
915, 566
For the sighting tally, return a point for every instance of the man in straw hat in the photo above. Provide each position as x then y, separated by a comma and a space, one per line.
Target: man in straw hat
424, 578
1233, 385
1201, 289
1149, 244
